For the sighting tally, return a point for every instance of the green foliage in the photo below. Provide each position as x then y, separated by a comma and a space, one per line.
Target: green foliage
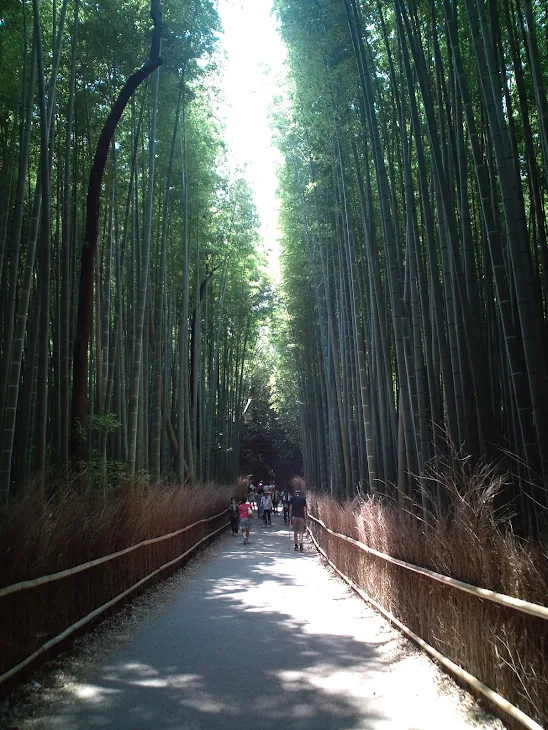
103, 423
270, 434
208, 295
404, 127
103, 475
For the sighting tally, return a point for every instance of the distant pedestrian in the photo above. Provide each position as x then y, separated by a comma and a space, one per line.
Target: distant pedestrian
285, 506
234, 514
267, 509
275, 498
246, 512
297, 518
259, 496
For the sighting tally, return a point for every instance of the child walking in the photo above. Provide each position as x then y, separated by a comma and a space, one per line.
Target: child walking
246, 511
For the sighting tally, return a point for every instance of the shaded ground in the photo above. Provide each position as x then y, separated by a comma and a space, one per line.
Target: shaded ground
262, 637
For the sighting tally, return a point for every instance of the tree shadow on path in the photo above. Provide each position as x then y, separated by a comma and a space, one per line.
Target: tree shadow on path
237, 649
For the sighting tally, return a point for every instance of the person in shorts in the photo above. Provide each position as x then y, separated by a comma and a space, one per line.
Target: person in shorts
297, 518
246, 510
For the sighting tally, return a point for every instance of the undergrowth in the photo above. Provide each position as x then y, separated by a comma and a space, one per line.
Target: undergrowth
469, 539
39, 538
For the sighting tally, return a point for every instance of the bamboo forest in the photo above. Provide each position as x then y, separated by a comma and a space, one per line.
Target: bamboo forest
413, 306
412, 312
385, 348
414, 229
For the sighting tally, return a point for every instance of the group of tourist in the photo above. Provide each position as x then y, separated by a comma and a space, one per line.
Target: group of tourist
266, 500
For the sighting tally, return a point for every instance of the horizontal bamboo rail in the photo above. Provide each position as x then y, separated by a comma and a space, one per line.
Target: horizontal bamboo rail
473, 682
90, 616
534, 609
90, 564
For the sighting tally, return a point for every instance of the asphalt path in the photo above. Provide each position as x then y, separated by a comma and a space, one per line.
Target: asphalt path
262, 637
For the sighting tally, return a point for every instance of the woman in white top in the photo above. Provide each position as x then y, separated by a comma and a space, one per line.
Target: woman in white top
267, 509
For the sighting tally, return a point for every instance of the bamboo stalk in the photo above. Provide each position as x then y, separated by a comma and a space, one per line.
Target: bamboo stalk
23, 585
533, 609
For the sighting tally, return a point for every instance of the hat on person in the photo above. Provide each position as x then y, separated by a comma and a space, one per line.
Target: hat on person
297, 491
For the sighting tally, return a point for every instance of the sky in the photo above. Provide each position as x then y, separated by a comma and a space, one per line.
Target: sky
250, 77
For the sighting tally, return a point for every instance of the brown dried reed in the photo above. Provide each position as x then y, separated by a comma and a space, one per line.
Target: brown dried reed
38, 538
470, 540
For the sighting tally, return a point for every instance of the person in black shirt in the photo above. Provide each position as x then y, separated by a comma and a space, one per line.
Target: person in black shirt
297, 518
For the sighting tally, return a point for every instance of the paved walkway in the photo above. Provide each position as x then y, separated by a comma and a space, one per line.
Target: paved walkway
263, 638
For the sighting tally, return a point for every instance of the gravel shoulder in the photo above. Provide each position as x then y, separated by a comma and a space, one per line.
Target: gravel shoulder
244, 635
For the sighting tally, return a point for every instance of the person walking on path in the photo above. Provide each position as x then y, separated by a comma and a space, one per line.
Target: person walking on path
297, 518
259, 495
285, 506
246, 511
267, 509
275, 498
234, 514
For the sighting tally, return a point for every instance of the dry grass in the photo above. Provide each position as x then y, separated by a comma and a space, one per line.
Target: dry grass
297, 483
471, 541
40, 539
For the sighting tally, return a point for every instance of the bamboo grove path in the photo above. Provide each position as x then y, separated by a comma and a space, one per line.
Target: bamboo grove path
262, 637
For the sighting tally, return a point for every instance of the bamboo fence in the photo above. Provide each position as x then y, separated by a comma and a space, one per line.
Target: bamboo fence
55, 606
504, 705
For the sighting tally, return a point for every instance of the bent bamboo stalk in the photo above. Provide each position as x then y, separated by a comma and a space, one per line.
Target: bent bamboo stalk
533, 609
83, 621
455, 669
90, 564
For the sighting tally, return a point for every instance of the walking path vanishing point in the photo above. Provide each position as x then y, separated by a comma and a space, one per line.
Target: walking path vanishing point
264, 637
